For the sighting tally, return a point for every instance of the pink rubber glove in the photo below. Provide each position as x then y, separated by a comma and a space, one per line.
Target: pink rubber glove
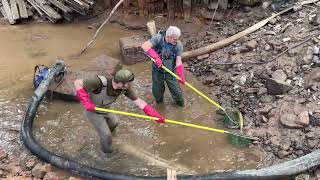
180, 72
85, 100
150, 111
155, 56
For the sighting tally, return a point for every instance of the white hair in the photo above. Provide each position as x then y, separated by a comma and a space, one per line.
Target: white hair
173, 31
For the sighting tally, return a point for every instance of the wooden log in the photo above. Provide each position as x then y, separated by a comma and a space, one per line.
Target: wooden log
22, 8
187, 9
7, 10
62, 7
14, 10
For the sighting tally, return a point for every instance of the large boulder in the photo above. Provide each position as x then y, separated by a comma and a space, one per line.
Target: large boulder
131, 50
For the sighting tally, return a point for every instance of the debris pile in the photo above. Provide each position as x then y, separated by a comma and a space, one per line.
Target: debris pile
54, 10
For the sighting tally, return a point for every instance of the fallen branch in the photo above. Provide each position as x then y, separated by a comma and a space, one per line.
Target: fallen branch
229, 40
101, 26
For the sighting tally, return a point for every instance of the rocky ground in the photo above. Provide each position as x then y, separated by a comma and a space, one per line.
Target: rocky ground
272, 76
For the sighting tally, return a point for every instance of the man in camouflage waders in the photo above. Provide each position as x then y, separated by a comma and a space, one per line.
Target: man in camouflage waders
166, 49
101, 92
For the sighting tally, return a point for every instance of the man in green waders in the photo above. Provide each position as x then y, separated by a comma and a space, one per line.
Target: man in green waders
166, 49
101, 92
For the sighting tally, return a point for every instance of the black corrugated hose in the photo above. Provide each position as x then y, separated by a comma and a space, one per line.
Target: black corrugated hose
284, 170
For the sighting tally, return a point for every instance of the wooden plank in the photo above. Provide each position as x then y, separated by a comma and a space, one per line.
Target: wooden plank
83, 4
90, 2
37, 7
61, 6
22, 8
14, 10
7, 10
2, 11
75, 6
53, 16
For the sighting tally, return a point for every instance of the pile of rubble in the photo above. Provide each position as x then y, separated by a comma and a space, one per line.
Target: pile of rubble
53, 10
271, 75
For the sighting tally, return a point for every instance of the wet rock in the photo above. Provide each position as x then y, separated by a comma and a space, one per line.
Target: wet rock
273, 21
242, 80
266, 4
307, 58
208, 80
264, 119
54, 176
303, 118
312, 79
293, 52
289, 120
285, 145
305, 67
267, 47
251, 90
297, 7
286, 39
277, 28
262, 91
94, 25
19, 178
302, 177
74, 178
265, 110
204, 56
11, 168
266, 99
251, 44
316, 61
314, 19
275, 87
275, 141
312, 143
279, 75
315, 50
40, 170
281, 154
30, 164
3, 154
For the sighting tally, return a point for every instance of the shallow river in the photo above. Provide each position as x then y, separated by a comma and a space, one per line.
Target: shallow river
140, 147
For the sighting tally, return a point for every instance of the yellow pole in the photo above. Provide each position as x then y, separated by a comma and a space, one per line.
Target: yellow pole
190, 86
155, 119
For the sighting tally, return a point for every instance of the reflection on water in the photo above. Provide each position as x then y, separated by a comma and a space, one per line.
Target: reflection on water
141, 147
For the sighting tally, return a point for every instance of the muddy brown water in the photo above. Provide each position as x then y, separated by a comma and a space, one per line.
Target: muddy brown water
140, 147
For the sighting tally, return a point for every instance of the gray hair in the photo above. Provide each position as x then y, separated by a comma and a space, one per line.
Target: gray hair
173, 31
